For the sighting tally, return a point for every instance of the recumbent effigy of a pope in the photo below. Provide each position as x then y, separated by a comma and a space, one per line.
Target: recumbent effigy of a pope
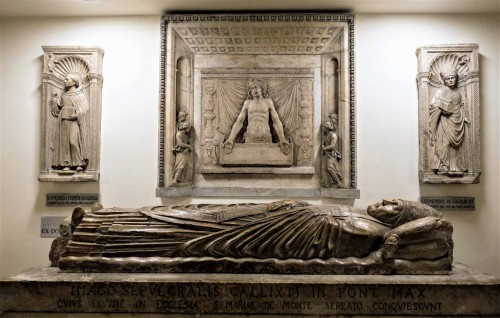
390, 237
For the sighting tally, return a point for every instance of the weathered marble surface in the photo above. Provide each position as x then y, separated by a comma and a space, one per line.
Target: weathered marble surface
258, 80
41, 290
71, 113
449, 114
393, 236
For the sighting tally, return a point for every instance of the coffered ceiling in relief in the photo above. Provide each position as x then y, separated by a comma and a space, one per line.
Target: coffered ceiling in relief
257, 38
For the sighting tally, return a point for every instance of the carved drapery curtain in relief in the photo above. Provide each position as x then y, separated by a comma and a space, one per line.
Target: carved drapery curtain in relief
223, 100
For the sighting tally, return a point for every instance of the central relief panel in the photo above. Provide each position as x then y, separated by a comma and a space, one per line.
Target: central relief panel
257, 105
256, 118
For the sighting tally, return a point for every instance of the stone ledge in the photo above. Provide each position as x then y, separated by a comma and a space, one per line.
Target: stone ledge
304, 170
187, 191
39, 290
87, 176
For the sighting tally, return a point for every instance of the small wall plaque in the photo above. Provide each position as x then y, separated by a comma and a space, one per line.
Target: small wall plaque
451, 203
71, 199
50, 226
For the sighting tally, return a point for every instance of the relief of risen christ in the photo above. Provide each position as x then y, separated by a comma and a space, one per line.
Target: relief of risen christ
257, 108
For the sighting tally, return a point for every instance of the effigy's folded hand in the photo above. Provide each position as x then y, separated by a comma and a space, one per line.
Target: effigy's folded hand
418, 231
428, 238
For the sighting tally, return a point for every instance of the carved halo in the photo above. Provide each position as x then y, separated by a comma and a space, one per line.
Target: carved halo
72, 64
443, 61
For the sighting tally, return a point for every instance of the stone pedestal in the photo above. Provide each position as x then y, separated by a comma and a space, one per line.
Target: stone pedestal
42, 290
264, 154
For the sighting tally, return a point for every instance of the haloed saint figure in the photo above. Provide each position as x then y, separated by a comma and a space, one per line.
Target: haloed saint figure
71, 152
448, 124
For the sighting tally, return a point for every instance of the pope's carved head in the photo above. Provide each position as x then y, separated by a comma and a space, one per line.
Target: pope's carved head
397, 211
449, 76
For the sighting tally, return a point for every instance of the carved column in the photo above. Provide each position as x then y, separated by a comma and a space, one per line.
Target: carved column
209, 143
305, 143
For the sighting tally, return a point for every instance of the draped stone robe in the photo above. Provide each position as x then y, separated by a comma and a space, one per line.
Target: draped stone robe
71, 137
447, 129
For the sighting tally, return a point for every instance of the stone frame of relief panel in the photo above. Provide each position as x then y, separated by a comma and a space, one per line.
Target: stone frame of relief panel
84, 64
442, 159
304, 67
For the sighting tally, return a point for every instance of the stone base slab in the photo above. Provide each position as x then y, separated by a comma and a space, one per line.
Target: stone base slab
431, 177
41, 290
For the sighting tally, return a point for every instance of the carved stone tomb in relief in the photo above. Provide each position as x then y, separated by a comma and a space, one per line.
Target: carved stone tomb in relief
254, 90
71, 113
390, 237
448, 84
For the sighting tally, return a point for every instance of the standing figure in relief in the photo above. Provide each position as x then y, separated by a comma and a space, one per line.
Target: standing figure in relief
448, 121
72, 110
258, 107
331, 153
181, 151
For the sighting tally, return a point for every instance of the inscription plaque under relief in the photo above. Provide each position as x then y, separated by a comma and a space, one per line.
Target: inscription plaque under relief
450, 203
71, 199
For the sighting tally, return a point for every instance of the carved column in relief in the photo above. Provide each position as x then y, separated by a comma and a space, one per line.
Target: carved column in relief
182, 84
331, 85
71, 113
209, 143
305, 143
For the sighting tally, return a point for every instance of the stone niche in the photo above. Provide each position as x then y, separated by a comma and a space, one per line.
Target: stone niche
257, 105
71, 113
449, 126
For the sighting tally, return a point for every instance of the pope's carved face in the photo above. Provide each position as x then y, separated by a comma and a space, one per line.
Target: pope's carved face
256, 91
69, 82
384, 210
450, 81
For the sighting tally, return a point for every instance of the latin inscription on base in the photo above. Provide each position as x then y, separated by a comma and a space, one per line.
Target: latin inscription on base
205, 298
456, 294
450, 203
